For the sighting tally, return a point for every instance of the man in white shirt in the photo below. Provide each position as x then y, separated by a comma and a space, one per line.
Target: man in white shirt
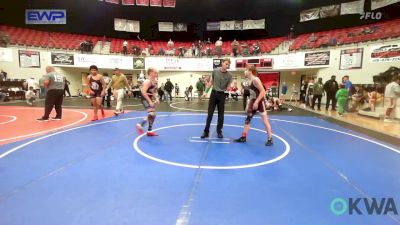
32, 82
125, 47
218, 47
170, 44
30, 96
392, 94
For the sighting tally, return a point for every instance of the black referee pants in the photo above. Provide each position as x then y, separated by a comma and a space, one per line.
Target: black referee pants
54, 98
217, 99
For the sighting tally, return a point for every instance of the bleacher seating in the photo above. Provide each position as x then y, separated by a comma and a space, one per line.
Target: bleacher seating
67, 41
44, 39
267, 45
370, 32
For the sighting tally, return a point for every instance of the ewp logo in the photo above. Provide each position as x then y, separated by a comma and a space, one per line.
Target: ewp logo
359, 206
45, 16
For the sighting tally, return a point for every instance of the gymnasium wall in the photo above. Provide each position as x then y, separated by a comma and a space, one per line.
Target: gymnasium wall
357, 76
184, 79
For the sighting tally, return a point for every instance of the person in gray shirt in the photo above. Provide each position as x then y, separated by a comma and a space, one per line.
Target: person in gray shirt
54, 83
220, 80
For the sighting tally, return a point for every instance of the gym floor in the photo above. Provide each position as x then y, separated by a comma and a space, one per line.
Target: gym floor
75, 171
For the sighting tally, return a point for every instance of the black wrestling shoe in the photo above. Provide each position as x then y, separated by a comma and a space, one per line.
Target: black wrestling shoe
204, 135
240, 140
220, 136
269, 142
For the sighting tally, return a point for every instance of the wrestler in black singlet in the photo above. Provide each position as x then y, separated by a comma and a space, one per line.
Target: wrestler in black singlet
96, 86
150, 91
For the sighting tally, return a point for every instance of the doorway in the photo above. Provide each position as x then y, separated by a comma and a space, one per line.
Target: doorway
271, 81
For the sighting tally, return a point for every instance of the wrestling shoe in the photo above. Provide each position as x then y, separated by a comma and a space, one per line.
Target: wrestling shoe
240, 140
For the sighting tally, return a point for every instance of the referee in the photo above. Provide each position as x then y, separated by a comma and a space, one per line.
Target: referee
220, 81
54, 83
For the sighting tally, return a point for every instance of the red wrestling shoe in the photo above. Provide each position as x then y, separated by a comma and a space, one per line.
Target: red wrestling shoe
139, 129
151, 134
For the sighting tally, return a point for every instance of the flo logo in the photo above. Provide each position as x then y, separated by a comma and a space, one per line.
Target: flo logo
363, 206
371, 15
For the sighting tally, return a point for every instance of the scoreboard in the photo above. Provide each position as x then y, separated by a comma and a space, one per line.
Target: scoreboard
264, 63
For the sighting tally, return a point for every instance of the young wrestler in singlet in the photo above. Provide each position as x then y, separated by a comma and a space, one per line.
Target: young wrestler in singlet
256, 103
149, 95
97, 90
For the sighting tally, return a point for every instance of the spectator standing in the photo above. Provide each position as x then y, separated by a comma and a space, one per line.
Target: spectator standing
193, 48
303, 90
256, 48
168, 87
317, 94
235, 45
176, 90
66, 87
295, 93
392, 94
200, 86
309, 92
199, 46
160, 92
118, 84
218, 47
349, 86
342, 95
125, 47
284, 91
331, 87
107, 97
170, 44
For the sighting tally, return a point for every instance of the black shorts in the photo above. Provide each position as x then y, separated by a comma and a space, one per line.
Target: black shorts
261, 106
96, 94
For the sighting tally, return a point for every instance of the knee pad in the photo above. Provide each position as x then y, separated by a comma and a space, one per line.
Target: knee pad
151, 115
248, 118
